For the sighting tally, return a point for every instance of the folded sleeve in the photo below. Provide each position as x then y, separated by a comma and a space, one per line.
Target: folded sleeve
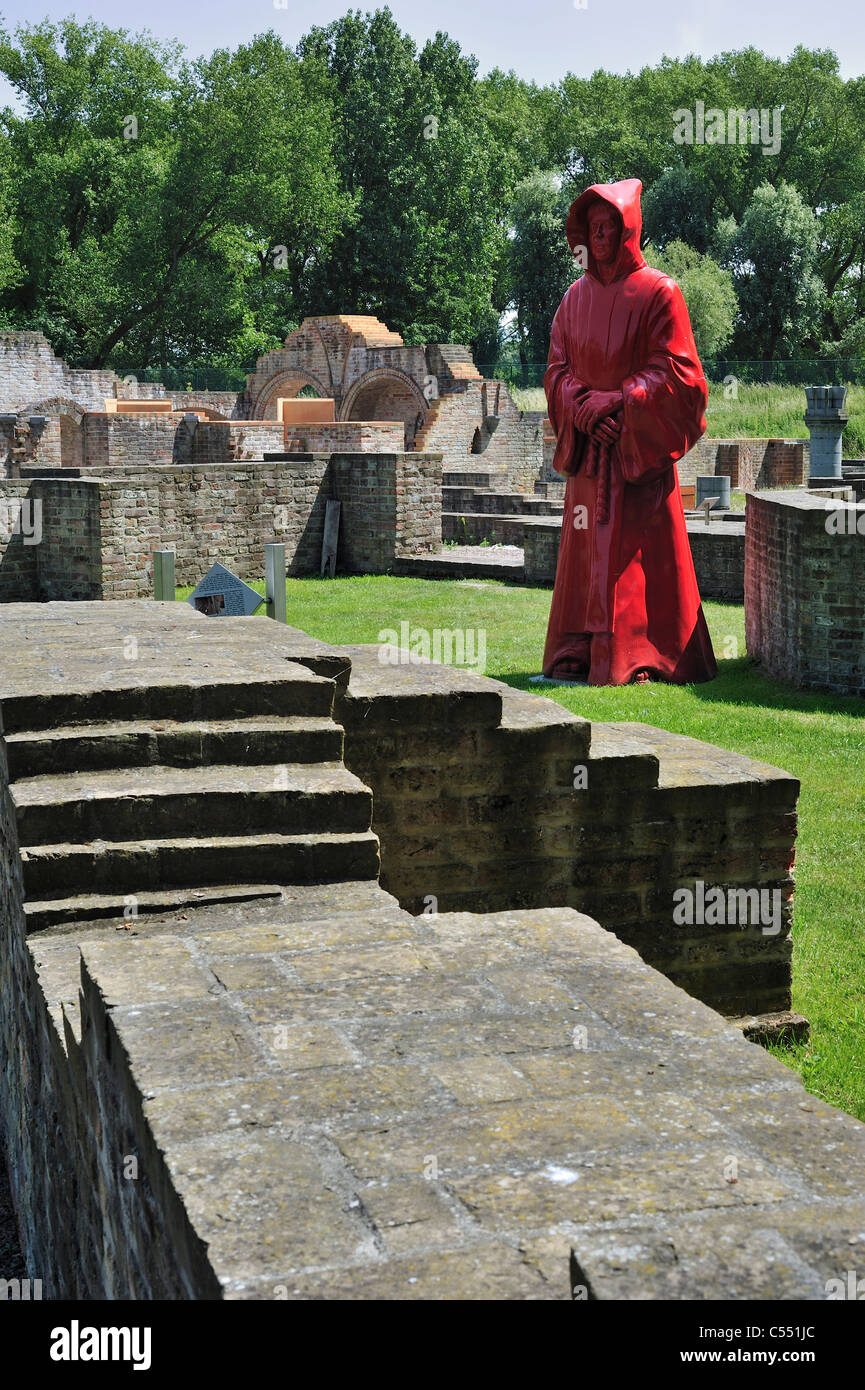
665, 401
564, 392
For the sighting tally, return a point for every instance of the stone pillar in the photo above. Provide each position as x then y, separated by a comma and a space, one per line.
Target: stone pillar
163, 576
826, 418
274, 583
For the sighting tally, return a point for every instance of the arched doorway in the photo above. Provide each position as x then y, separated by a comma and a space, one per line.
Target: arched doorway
387, 395
286, 384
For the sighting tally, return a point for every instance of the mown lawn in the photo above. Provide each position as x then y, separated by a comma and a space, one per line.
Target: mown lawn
818, 738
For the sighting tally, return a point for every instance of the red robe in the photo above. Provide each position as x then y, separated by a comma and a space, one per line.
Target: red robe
626, 596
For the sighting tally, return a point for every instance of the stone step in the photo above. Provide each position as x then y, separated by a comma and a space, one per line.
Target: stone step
215, 907
173, 743
469, 501
58, 913
494, 478
465, 562
163, 802
138, 866
298, 692
621, 760
496, 528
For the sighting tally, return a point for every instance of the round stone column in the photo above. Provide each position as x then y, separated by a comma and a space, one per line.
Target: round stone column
826, 418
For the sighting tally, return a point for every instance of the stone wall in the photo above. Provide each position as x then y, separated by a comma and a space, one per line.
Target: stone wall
476, 807
70, 1117
225, 403
215, 441
99, 532
30, 372
541, 539
465, 1028
18, 553
749, 463
127, 441
718, 551
804, 581
66, 561
24, 1047
391, 506
456, 419
345, 437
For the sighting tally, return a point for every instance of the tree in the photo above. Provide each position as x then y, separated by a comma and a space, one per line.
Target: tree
773, 257
677, 207
151, 190
707, 290
414, 156
541, 264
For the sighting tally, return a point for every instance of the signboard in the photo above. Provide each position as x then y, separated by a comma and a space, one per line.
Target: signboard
222, 595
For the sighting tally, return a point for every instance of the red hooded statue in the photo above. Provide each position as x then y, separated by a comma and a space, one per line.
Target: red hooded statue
626, 397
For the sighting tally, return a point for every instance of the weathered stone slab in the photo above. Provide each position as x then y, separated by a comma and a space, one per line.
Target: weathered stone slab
595, 1125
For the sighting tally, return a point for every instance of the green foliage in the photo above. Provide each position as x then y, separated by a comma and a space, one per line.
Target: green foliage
708, 292
168, 212
773, 256
412, 149
677, 207
541, 266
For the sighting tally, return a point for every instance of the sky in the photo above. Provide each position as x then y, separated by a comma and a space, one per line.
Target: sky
539, 39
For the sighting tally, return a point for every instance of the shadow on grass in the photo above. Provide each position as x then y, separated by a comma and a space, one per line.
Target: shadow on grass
739, 682
742, 682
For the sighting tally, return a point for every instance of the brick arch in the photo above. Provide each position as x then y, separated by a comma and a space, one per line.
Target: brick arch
56, 405
69, 413
386, 393
287, 382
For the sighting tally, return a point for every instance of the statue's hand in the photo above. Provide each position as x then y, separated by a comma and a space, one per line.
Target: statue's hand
607, 430
594, 407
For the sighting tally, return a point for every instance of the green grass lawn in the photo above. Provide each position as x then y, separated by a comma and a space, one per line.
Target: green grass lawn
818, 738
761, 412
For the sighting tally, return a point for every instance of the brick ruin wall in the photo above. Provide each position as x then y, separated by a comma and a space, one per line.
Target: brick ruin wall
98, 533
517, 442
749, 463
804, 580
718, 552
347, 437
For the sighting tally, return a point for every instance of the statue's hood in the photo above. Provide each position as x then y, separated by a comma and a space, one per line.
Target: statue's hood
624, 198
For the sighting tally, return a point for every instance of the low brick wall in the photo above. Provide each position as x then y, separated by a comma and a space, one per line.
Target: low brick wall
346, 437
216, 441
67, 561
127, 441
99, 532
804, 580
541, 538
18, 555
718, 551
749, 463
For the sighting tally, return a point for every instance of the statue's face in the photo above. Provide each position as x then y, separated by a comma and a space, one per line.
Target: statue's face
604, 235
